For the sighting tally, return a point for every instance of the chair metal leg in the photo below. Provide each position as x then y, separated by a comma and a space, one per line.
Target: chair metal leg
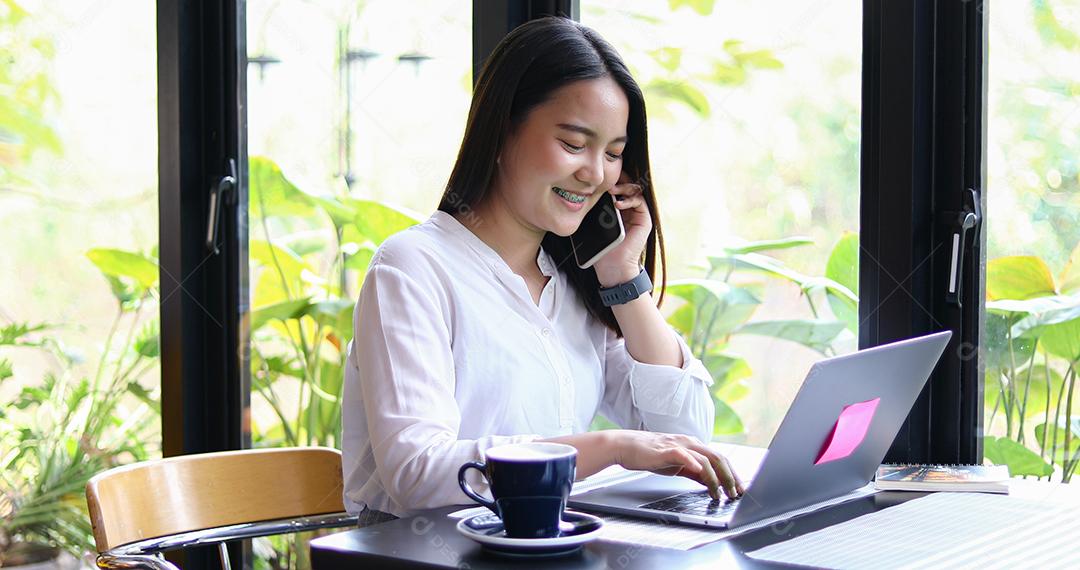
223, 550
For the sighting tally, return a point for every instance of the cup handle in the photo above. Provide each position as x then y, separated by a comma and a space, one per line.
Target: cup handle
468, 490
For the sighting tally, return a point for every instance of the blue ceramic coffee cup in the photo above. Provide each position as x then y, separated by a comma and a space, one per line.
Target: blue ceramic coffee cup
529, 482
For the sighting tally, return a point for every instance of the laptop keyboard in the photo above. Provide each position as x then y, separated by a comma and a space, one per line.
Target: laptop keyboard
694, 503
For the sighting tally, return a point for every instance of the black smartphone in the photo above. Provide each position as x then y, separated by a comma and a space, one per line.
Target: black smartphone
600, 232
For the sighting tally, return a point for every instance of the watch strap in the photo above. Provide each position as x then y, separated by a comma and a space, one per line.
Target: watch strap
626, 292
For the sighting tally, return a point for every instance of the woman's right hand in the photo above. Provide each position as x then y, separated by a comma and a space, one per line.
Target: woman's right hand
676, 454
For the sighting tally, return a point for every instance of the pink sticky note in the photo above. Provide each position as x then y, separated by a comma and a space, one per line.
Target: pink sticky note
849, 431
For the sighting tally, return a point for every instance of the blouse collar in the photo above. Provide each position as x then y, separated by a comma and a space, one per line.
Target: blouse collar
451, 224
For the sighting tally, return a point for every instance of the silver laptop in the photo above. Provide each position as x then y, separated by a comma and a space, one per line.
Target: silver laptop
831, 442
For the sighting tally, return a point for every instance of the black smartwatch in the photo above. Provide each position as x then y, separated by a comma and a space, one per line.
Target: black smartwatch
626, 292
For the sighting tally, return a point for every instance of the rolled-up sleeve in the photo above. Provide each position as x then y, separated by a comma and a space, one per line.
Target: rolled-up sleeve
657, 397
402, 348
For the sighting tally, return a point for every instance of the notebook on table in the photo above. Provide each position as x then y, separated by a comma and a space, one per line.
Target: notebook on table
952, 478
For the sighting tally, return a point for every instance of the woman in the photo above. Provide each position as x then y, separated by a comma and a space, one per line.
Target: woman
476, 328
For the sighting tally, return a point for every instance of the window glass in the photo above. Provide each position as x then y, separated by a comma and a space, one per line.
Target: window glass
754, 132
79, 375
1032, 334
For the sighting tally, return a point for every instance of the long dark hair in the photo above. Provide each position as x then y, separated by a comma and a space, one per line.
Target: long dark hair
530, 63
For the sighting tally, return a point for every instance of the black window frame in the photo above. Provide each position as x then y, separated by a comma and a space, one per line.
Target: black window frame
923, 148
202, 124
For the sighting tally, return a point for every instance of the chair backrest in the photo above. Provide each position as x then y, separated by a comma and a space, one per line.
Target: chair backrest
169, 496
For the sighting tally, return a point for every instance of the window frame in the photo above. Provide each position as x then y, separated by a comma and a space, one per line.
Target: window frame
205, 394
923, 147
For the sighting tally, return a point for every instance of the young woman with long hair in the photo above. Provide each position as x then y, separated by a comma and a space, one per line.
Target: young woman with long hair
477, 328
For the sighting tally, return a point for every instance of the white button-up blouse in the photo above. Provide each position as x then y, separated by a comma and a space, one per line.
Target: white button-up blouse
452, 356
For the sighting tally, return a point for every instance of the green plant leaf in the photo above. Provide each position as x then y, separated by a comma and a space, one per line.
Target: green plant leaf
125, 291
1031, 306
376, 221
726, 421
31, 396
730, 305
813, 284
774, 267
683, 320
1062, 339
1042, 312
304, 243
148, 343
1060, 453
360, 258
761, 59
340, 214
754, 262
7, 370
1019, 459
144, 396
335, 313
1050, 29
1070, 276
280, 311
331, 378
682, 92
283, 366
273, 436
727, 74
702, 7
15, 333
1018, 277
728, 373
268, 289
271, 194
769, 245
76, 396
844, 309
120, 263
724, 367
843, 264
272, 256
817, 334
668, 57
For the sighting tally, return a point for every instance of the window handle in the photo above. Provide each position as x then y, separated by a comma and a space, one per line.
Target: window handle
964, 222
218, 192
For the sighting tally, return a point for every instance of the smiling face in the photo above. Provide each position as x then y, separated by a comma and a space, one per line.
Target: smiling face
567, 152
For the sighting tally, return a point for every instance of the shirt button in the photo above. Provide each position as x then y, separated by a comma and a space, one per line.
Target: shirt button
546, 332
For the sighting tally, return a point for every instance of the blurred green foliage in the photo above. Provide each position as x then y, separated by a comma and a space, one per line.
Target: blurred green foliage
720, 305
66, 428
27, 92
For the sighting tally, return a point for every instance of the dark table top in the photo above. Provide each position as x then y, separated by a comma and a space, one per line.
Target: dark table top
430, 540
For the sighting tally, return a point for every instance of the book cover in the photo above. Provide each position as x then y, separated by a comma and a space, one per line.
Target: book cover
982, 478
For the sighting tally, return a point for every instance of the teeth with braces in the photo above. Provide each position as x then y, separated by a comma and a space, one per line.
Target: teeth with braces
569, 196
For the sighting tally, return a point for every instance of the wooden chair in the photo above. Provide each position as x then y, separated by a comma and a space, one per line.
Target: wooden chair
142, 510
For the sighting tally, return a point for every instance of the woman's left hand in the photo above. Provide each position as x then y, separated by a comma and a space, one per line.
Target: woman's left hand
624, 262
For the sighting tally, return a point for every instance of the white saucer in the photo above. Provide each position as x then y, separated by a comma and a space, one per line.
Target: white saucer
487, 529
